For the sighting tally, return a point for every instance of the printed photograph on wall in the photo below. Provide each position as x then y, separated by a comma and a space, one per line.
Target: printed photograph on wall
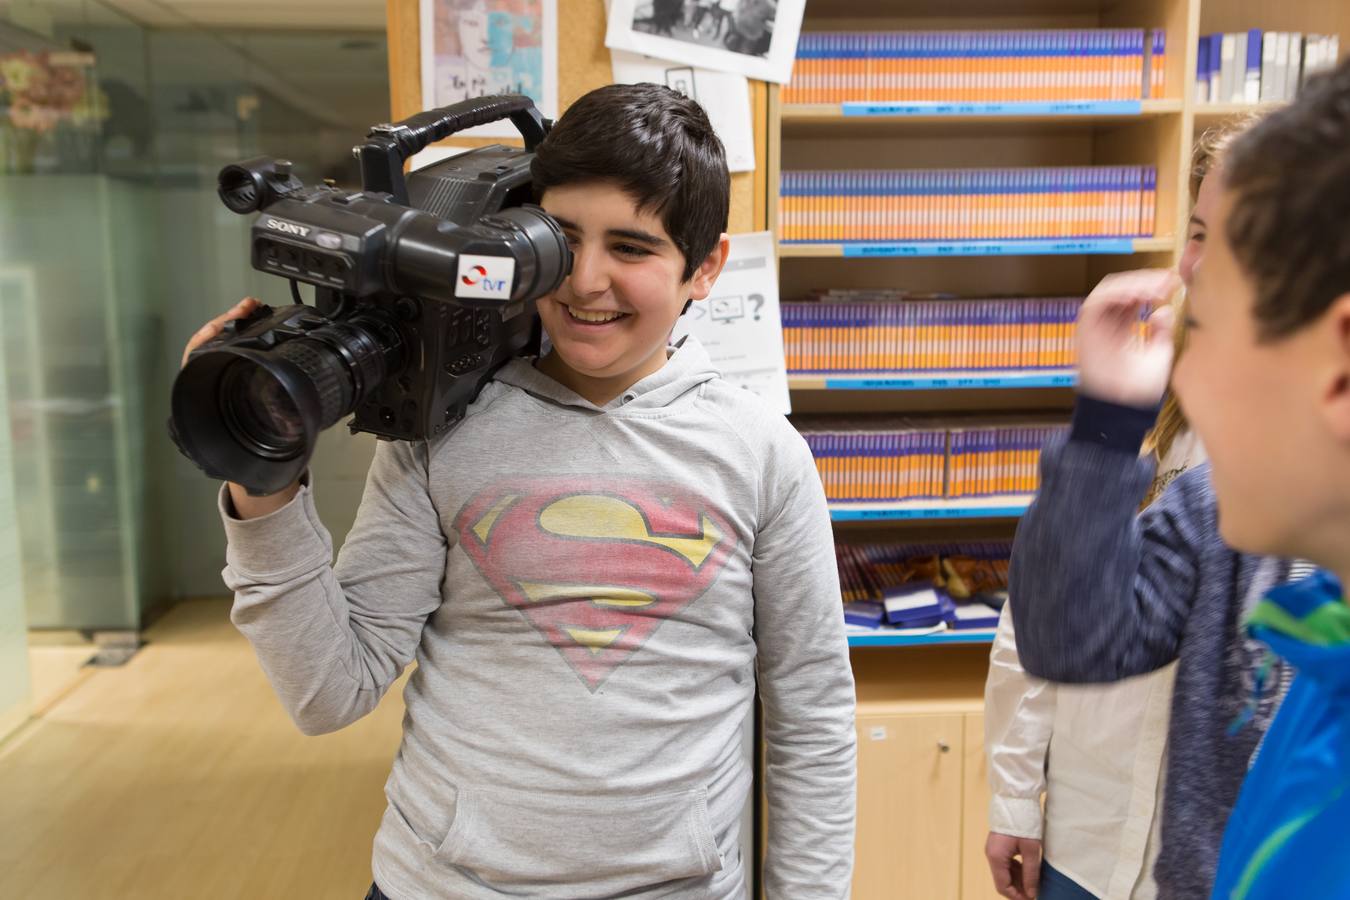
755, 38
472, 48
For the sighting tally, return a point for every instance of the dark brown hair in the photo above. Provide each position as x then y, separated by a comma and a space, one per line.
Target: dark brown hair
1289, 178
658, 146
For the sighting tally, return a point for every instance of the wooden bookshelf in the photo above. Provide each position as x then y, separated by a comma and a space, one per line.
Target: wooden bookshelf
979, 249
936, 381
796, 116
933, 683
886, 637
1005, 506
1316, 16
1218, 16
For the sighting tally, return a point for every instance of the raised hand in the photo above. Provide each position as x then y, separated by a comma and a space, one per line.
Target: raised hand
1116, 363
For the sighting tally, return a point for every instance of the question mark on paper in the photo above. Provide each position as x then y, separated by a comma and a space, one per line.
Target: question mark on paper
758, 300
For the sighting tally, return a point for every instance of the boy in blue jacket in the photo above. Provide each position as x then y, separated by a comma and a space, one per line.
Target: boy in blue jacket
1266, 381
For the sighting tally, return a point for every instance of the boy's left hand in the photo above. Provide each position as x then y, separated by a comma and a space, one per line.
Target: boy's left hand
1114, 363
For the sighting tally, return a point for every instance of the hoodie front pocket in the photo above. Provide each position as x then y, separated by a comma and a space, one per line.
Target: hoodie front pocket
604, 845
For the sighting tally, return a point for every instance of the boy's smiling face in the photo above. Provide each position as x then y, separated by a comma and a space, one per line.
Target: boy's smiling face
611, 318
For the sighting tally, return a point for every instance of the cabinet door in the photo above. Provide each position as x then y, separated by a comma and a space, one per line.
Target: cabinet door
976, 882
909, 807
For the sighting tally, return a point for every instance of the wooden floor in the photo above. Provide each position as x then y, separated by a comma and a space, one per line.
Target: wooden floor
54, 671
178, 776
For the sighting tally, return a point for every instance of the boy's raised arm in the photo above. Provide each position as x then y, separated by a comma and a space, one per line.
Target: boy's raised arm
1098, 592
806, 685
332, 640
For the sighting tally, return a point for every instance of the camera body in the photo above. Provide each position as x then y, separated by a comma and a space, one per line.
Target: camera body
423, 285
371, 258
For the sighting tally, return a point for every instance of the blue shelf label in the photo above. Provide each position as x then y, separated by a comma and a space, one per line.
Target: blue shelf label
883, 639
1066, 246
948, 383
1051, 108
926, 513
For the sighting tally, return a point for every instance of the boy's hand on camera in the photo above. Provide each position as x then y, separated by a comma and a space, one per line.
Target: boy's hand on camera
245, 505
1115, 363
211, 330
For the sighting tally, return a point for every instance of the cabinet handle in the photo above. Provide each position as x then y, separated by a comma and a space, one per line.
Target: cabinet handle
944, 747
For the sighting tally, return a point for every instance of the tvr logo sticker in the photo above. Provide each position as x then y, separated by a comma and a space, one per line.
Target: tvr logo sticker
595, 567
485, 276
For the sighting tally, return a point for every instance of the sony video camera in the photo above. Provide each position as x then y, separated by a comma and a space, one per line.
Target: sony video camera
423, 288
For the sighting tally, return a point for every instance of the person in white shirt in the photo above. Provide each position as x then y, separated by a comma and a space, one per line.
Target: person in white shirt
1104, 787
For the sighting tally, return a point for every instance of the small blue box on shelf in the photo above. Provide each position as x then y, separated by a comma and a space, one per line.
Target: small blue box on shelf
915, 604
864, 613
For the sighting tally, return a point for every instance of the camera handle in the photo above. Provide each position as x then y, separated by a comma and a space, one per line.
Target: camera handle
387, 147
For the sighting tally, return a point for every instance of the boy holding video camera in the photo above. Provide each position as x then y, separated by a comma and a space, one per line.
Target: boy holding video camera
593, 570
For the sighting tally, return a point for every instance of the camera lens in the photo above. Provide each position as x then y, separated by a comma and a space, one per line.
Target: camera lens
252, 414
259, 413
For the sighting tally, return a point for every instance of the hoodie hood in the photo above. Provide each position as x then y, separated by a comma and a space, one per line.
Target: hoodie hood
687, 368
1308, 623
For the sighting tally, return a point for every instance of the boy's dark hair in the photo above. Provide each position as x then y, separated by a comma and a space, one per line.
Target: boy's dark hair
1290, 182
658, 146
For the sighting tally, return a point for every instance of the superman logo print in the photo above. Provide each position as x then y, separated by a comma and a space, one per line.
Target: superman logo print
596, 566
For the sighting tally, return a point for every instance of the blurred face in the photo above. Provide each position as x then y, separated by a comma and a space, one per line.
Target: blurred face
1255, 405
473, 37
610, 320
1198, 227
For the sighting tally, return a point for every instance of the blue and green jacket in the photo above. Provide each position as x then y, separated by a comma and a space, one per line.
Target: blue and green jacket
1289, 835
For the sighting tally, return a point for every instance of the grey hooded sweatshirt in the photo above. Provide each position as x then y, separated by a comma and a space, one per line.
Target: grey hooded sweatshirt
591, 595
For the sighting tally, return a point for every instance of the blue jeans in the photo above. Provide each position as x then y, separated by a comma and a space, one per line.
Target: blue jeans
375, 893
1055, 885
